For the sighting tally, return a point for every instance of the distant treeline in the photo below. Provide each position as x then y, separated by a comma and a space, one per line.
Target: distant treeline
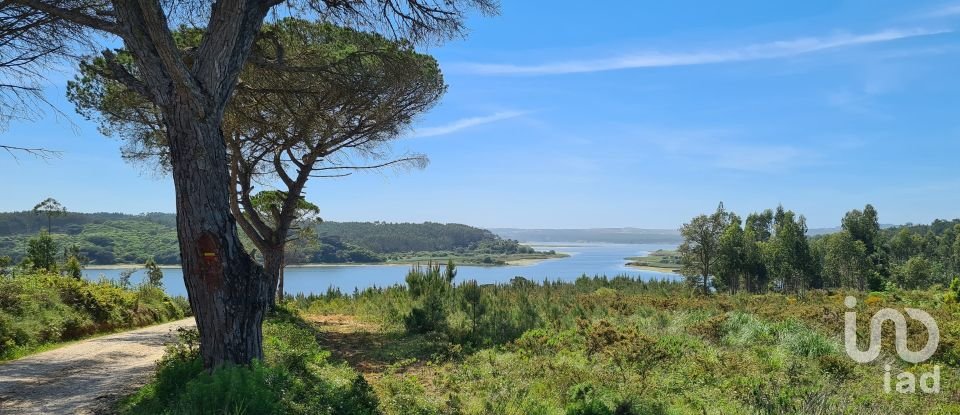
605, 235
109, 238
28, 222
771, 250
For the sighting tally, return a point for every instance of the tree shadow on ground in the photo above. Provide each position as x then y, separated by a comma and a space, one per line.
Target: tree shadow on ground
374, 351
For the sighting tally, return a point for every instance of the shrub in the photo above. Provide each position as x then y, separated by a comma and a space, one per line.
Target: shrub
953, 293
403, 395
231, 390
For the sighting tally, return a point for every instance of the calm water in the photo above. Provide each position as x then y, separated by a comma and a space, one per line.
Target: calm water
590, 259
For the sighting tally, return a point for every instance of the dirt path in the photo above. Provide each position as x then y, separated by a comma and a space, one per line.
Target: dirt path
84, 377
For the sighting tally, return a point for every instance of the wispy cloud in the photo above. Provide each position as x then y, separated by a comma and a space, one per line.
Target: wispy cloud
465, 123
770, 50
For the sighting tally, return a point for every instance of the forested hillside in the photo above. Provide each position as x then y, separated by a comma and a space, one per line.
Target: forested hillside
109, 238
103, 238
406, 237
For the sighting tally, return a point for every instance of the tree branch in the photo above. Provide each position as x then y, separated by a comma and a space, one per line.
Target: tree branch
72, 15
120, 74
40, 153
157, 29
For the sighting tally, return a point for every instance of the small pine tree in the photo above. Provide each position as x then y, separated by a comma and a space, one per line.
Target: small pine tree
473, 300
450, 272
154, 274
430, 289
73, 268
73, 262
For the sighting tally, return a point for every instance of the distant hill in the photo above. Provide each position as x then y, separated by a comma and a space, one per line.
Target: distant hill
618, 235
110, 238
104, 238
608, 235
384, 237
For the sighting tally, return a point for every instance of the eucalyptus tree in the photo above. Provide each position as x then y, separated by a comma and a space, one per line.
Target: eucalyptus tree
731, 264
787, 254
228, 289
701, 246
845, 261
316, 100
757, 230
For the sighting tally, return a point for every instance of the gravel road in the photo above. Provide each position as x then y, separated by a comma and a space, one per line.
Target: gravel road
84, 377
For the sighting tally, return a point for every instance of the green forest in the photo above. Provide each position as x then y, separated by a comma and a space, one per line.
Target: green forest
115, 238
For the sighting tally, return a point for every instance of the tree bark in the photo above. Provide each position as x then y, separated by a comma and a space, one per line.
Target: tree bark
283, 269
273, 268
228, 290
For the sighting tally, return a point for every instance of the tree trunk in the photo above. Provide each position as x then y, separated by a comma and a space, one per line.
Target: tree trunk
283, 269
273, 268
227, 289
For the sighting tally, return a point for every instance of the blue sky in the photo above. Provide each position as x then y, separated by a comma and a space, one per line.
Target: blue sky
628, 114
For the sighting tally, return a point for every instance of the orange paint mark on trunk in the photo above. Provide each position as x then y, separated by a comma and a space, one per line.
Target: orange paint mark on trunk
211, 266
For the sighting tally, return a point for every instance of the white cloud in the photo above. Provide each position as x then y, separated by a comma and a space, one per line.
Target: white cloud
770, 50
465, 123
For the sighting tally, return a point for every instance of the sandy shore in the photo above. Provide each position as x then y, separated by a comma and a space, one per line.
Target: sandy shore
526, 261
125, 266
657, 269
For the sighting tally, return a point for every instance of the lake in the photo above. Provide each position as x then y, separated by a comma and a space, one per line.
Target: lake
590, 259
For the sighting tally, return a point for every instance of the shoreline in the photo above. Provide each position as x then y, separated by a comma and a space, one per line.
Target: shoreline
669, 270
506, 263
